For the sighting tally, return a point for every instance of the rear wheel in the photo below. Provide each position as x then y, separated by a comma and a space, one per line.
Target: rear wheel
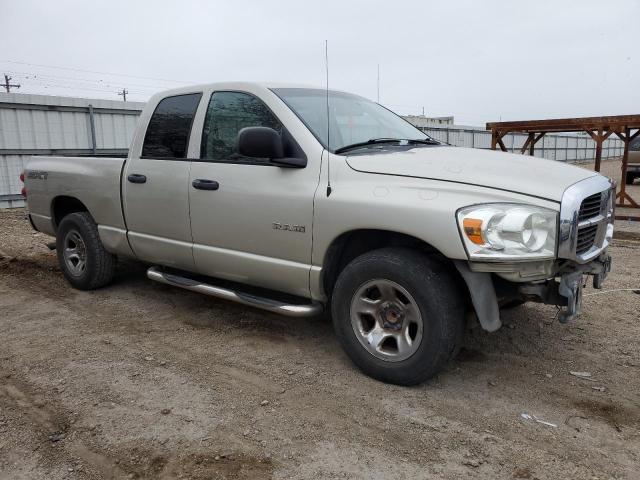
398, 315
630, 178
83, 259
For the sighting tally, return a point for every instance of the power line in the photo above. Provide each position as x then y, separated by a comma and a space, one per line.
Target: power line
94, 71
123, 93
26, 82
76, 87
8, 86
99, 81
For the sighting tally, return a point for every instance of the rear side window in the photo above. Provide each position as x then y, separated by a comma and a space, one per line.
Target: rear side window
634, 146
168, 131
227, 114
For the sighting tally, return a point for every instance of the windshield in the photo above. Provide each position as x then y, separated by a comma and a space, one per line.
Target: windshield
353, 119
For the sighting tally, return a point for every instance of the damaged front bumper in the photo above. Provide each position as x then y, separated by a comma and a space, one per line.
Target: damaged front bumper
564, 289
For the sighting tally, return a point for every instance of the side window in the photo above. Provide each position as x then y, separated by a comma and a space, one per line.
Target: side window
634, 146
167, 135
227, 114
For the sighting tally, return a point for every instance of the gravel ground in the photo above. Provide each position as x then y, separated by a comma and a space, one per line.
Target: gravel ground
141, 380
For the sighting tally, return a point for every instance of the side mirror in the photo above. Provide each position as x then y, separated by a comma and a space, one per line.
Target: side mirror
265, 142
259, 142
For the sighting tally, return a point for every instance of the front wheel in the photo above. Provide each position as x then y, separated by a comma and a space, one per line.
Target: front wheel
398, 315
630, 178
83, 259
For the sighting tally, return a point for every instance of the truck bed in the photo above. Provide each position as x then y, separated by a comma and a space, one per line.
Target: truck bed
94, 181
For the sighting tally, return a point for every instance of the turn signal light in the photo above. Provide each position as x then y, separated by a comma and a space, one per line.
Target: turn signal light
473, 230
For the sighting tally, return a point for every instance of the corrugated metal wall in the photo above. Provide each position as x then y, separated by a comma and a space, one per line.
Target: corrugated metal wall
48, 125
562, 147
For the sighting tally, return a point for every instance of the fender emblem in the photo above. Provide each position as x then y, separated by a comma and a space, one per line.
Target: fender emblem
288, 227
37, 174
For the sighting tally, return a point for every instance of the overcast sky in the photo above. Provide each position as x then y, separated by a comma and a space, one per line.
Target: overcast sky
478, 60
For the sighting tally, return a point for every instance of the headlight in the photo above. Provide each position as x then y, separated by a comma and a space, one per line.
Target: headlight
508, 231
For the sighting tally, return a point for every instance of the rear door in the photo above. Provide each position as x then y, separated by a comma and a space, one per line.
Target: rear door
155, 186
255, 227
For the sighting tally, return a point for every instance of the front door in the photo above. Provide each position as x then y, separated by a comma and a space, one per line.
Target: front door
254, 224
155, 186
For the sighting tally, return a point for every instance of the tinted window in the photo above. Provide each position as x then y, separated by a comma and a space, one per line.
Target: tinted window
227, 114
168, 131
634, 146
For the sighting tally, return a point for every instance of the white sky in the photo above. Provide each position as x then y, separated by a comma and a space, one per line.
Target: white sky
478, 60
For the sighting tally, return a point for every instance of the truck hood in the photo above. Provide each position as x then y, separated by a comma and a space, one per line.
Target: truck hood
527, 175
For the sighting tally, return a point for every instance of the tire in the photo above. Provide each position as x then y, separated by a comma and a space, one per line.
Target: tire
413, 284
630, 178
83, 259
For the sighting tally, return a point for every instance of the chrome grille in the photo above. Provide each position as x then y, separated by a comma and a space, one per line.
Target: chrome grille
586, 219
590, 207
586, 237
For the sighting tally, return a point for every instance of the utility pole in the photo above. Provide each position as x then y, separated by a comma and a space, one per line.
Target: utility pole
8, 85
123, 94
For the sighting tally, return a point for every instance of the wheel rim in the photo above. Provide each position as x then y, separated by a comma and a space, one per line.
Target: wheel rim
386, 320
74, 253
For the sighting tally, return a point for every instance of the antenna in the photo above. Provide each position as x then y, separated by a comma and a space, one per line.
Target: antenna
326, 63
378, 83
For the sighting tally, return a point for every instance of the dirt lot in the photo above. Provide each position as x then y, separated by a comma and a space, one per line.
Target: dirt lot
141, 380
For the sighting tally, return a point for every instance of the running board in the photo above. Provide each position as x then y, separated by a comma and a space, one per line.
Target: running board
291, 310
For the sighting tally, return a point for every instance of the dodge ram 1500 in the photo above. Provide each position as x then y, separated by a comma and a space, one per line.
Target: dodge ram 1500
298, 200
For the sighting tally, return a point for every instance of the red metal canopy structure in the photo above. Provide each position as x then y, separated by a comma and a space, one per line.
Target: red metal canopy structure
599, 128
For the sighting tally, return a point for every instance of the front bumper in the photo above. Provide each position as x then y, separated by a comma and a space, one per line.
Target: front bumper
488, 290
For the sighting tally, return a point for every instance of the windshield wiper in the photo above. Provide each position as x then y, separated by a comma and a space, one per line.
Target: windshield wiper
378, 141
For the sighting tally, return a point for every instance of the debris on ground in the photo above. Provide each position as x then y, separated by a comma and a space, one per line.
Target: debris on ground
528, 416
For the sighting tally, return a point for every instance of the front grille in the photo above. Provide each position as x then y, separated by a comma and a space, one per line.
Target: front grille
590, 207
584, 230
586, 237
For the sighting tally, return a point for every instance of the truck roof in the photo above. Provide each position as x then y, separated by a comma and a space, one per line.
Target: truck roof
234, 86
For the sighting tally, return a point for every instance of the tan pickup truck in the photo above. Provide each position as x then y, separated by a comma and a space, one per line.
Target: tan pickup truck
298, 200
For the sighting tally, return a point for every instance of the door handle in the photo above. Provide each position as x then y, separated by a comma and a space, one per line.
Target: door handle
137, 178
204, 184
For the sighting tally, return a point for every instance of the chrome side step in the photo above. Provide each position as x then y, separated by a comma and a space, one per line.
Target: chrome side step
291, 310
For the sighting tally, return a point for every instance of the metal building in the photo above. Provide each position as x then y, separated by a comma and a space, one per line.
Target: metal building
421, 121
50, 125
